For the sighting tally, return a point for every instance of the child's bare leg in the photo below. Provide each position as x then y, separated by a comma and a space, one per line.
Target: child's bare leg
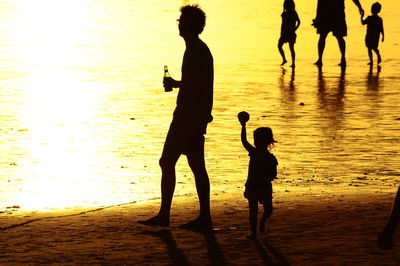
253, 210
293, 53
280, 45
370, 56
376, 50
267, 213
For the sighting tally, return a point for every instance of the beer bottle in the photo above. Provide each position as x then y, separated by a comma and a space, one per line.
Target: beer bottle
167, 86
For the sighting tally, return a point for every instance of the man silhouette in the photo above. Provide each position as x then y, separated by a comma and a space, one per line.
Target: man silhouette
331, 17
190, 119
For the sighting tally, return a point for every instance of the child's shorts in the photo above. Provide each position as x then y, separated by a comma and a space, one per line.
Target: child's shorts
288, 37
262, 194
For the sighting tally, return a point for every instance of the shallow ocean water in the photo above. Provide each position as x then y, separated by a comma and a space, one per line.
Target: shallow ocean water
83, 114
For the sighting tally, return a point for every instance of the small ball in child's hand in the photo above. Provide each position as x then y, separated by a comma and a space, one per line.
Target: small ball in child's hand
243, 116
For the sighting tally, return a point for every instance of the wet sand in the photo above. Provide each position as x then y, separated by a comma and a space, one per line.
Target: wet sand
337, 131
332, 127
308, 227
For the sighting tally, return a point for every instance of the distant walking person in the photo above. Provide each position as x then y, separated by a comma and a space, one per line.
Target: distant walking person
290, 23
189, 123
262, 170
385, 238
331, 18
374, 31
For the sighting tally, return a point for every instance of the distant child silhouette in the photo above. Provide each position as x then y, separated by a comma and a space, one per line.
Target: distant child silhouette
374, 30
290, 23
262, 170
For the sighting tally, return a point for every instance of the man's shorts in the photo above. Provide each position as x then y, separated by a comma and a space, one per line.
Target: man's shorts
183, 139
337, 26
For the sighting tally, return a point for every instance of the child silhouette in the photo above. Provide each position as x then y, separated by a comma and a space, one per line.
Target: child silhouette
290, 23
374, 30
262, 170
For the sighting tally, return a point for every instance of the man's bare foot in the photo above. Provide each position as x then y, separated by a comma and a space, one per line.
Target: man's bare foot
293, 65
379, 59
156, 221
342, 63
283, 62
198, 225
370, 63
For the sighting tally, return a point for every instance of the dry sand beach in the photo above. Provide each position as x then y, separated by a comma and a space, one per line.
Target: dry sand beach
310, 227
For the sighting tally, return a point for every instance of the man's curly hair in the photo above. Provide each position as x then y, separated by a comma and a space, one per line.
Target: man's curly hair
194, 16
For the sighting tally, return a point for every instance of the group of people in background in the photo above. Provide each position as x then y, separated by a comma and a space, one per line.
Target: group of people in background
331, 18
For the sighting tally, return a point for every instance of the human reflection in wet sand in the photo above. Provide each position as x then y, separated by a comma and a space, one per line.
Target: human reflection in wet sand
288, 91
176, 255
332, 102
385, 238
277, 257
191, 117
373, 82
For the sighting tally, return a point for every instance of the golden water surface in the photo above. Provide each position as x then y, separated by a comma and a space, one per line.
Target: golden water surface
83, 114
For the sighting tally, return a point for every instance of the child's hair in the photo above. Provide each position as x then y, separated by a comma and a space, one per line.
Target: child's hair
376, 8
289, 5
263, 137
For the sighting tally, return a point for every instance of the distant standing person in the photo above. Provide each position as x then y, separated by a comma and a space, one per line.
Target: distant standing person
262, 170
331, 18
374, 31
290, 23
189, 123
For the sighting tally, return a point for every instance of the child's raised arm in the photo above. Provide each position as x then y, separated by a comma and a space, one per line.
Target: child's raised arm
243, 118
243, 137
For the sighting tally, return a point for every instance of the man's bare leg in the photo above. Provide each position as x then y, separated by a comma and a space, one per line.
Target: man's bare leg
321, 48
342, 47
167, 162
196, 162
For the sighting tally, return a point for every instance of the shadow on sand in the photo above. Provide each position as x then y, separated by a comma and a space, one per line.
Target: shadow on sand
178, 257
274, 258
268, 254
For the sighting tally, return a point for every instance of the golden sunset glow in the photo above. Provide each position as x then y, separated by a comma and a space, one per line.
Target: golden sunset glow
47, 32
57, 120
58, 107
